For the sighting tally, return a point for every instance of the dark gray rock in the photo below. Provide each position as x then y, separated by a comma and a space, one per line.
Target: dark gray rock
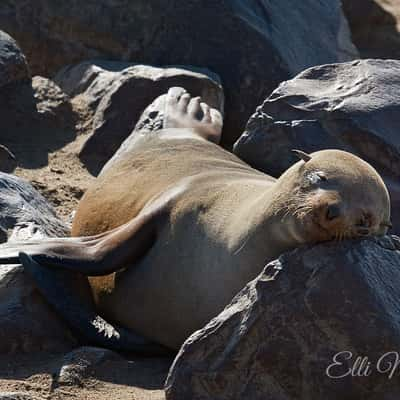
82, 363
252, 45
278, 337
27, 322
374, 27
116, 94
13, 66
350, 106
24, 212
7, 160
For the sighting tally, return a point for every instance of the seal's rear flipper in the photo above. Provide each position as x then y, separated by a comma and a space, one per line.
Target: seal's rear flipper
69, 294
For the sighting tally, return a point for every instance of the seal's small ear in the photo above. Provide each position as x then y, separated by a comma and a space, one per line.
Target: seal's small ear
303, 156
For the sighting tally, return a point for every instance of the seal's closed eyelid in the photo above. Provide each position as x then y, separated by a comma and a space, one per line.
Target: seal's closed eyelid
322, 176
315, 177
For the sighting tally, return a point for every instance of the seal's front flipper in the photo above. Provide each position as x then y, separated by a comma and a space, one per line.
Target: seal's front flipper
100, 254
69, 293
92, 255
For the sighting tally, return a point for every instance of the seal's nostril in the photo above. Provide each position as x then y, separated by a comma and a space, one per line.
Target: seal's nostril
363, 231
332, 212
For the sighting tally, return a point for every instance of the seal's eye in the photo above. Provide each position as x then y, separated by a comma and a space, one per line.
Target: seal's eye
316, 177
322, 176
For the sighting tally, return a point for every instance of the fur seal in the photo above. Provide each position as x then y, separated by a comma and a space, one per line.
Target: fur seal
177, 225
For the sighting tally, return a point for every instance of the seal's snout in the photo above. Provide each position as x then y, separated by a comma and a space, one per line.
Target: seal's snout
341, 221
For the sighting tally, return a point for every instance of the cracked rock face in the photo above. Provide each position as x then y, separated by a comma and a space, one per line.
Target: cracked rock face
252, 45
349, 106
289, 334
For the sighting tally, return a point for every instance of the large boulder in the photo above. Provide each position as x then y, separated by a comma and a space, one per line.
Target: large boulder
13, 65
253, 45
27, 323
318, 323
374, 26
350, 106
115, 95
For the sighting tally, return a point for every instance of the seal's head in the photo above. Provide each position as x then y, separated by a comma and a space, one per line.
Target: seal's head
332, 194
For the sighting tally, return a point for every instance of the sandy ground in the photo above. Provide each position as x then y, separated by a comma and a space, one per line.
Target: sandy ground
63, 181
139, 379
50, 160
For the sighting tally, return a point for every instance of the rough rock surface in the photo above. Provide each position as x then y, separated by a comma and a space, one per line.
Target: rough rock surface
278, 337
51, 101
27, 323
253, 45
24, 212
7, 160
13, 66
375, 27
79, 364
117, 93
350, 106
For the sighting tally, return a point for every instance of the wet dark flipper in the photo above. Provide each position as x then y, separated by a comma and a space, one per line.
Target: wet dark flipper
100, 254
69, 293
90, 255
60, 267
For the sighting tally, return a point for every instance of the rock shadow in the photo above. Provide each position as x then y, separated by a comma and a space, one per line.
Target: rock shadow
146, 373
373, 29
31, 132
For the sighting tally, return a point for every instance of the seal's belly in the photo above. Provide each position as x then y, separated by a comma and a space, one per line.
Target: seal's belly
179, 286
